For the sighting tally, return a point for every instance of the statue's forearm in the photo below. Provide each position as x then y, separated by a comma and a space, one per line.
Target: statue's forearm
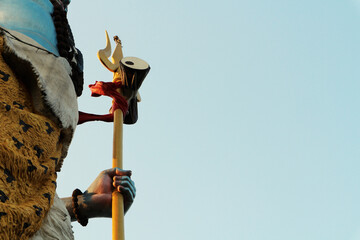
89, 207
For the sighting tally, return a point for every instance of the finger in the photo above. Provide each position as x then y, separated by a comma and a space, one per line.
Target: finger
117, 172
121, 172
124, 181
127, 194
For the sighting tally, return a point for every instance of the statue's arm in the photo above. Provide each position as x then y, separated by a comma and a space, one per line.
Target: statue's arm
88, 209
96, 200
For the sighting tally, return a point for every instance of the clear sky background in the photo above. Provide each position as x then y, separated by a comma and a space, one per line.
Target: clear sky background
249, 124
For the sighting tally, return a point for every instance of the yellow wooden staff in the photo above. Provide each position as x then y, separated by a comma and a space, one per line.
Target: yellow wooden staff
130, 72
117, 198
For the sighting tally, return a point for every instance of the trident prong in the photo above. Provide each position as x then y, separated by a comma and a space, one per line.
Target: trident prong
104, 54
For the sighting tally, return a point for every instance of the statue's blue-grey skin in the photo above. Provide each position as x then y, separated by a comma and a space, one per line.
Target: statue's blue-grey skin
32, 18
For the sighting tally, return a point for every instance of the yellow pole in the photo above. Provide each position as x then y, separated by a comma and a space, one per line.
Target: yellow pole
118, 232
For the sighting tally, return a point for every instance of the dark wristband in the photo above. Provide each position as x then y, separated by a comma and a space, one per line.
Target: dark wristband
76, 210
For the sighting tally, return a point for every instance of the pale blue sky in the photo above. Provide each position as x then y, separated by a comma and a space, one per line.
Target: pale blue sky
249, 125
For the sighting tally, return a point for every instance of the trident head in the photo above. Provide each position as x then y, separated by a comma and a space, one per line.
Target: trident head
104, 54
130, 71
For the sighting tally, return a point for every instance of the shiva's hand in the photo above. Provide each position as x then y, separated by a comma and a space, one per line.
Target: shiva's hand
100, 191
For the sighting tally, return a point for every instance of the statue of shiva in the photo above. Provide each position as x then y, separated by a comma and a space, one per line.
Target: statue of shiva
41, 77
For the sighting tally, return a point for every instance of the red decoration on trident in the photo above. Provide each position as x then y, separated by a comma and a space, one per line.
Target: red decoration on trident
105, 89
